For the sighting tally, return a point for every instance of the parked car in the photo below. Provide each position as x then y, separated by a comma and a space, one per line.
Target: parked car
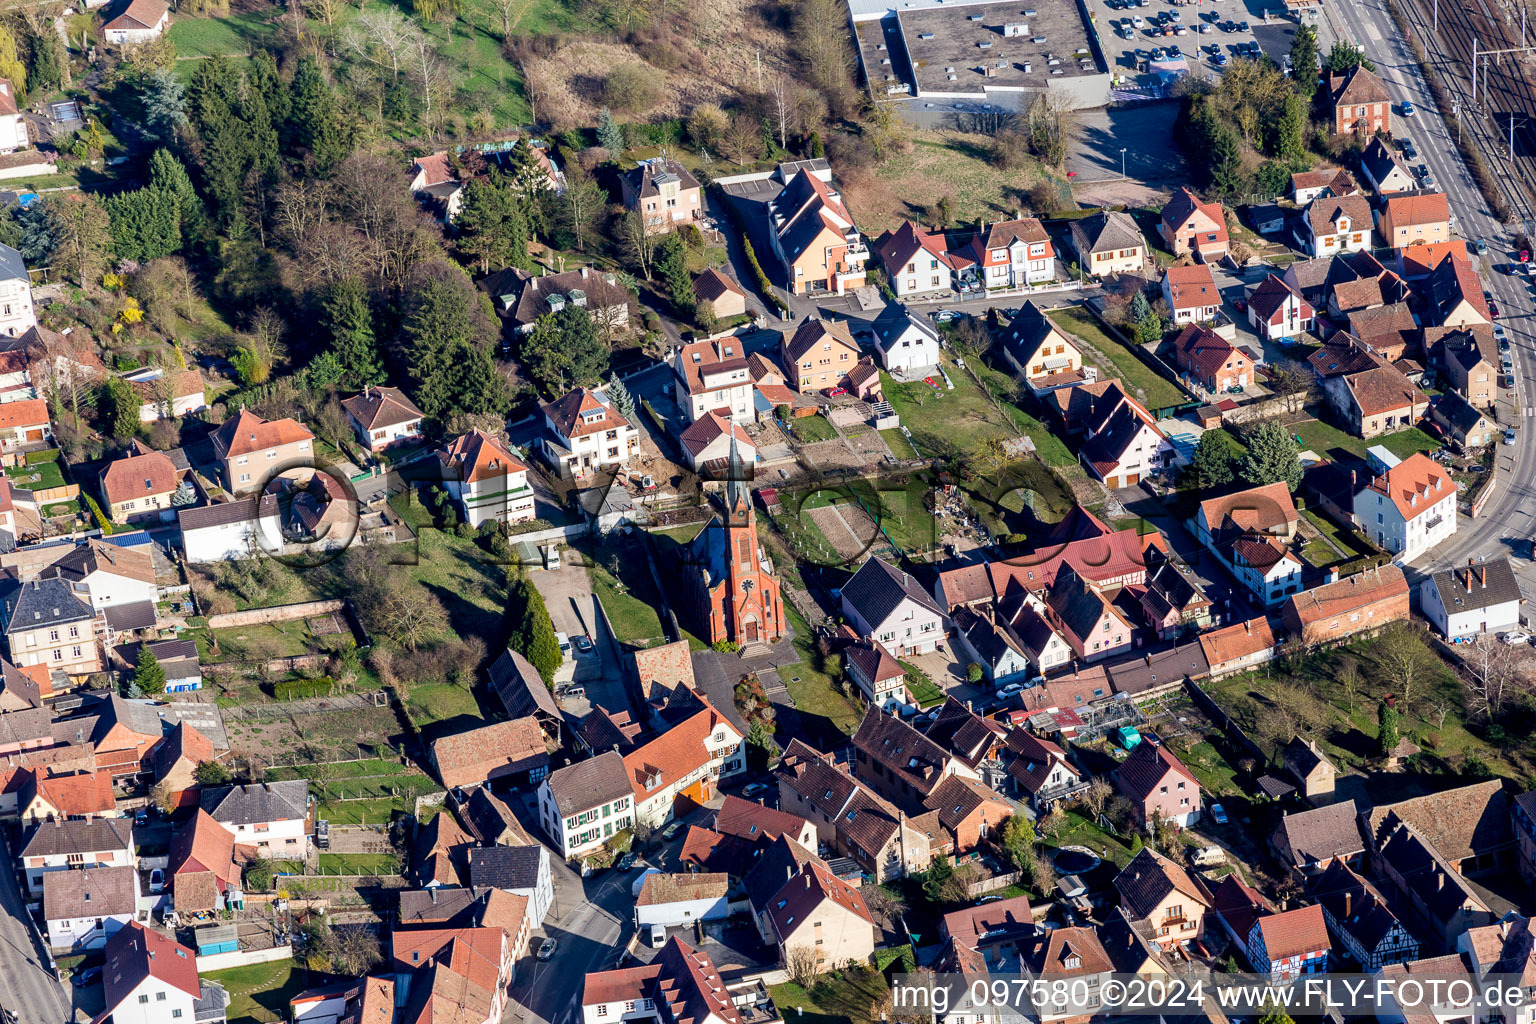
547, 948
1220, 60
754, 789
670, 832
86, 977
1481, 246
626, 862
1509, 435
943, 316
1516, 636
1242, 26
157, 880
1219, 814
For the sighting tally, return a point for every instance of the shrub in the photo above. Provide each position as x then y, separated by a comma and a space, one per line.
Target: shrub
631, 87
302, 689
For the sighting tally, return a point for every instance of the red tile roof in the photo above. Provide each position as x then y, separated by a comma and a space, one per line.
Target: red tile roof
470, 758
1192, 286
29, 412
1415, 485
140, 473
1293, 932
135, 954
246, 432
1148, 765
478, 456
675, 753
748, 820
1237, 641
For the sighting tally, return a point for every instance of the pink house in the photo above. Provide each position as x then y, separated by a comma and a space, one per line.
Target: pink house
1156, 781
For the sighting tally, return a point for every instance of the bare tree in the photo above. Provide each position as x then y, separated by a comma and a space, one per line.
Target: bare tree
1487, 678
411, 616
742, 140
300, 206
1293, 381
583, 200
1096, 797
1348, 675
639, 241
800, 963
381, 36
1403, 657
782, 104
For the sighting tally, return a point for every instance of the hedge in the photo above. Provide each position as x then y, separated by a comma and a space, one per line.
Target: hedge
107, 529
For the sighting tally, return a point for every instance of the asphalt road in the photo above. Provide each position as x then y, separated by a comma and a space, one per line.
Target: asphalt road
27, 985
1507, 523
591, 920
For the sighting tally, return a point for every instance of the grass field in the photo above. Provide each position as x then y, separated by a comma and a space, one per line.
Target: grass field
1147, 385
359, 864
264, 640
260, 992
36, 476
810, 429
631, 603
1325, 439
363, 812
897, 442
828, 717
439, 702
209, 37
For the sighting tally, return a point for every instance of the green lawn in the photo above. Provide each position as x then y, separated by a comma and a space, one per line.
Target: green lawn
344, 769
438, 702
923, 690
36, 476
1325, 438
825, 713
260, 992
207, 37
359, 864
631, 604
1081, 831
261, 641
363, 812
810, 429
1216, 776
897, 442
1148, 386
965, 417
838, 997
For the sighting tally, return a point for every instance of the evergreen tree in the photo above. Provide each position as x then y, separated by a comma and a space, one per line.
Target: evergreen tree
36, 242
609, 135
1272, 456
491, 225
760, 747
1019, 840
165, 105
1344, 56
936, 878
448, 353
1226, 162
533, 634
1388, 733
1291, 129
149, 677
672, 267
563, 351
1212, 462
1304, 61
46, 61
619, 395
146, 224
314, 121
167, 174
120, 403
818, 149
346, 318
264, 79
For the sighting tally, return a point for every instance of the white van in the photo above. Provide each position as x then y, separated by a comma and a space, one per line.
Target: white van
565, 647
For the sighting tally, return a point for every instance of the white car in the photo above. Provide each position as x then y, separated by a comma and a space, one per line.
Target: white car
1138, 22
1516, 636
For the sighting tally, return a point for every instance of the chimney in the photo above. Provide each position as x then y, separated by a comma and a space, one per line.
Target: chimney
1349, 902
1248, 627
1483, 575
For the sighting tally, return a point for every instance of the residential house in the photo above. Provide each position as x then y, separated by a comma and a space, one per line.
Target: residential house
177, 757
1173, 601
712, 377
1108, 242
434, 183
908, 346
352, 1001
1409, 507
1504, 951
850, 817
1251, 531
1358, 102
1436, 901
273, 817
888, 606
1417, 262
1160, 893
585, 433
1432, 970
754, 823
816, 909
167, 394
16, 313
681, 899
1156, 782
1478, 598
991, 930
968, 811
1044, 355
683, 766
1325, 181
112, 575
137, 21
457, 974
513, 751
1012, 254
1377, 400
1237, 905
1278, 312
723, 296
522, 297
1455, 296
1090, 624
1191, 294
582, 805
1419, 218
1189, 226
1039, 770
383, 416
1122, 443
440, 852
681, 978
1335, 225
251, 451
1075, 404
1313, 773
1289, 944
1238, 647
976, 741
24, 425
813, 236
1471, 368
64, 844
665, 192
13, 126
51, 622
1360, 919
1210, 360
141, 485
1468, 826
879, 677
1367, 601
1384, 169
123, 732
150, 978
662, 668
83, 909
916, 262
991, 644
521, 870
819, 354
230, 529
205, 864
44, 795
1075, 956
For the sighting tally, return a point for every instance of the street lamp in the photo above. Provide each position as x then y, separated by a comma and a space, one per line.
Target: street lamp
1122, 163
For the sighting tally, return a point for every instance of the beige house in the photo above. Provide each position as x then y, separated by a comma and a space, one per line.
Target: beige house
51, 622
1190, 226
664, 192
1155, 890
1108, 243
725, 297
817, 909
1469, 366
251, 450
1044, 355
713, 376
1422, 218
819, 355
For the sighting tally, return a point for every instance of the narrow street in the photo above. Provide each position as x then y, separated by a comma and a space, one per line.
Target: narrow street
27, 985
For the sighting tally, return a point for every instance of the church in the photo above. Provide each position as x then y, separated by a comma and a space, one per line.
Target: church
730, 580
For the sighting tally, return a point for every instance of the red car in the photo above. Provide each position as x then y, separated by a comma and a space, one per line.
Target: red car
1242, 305
1525, 255
835, 392
1493, 309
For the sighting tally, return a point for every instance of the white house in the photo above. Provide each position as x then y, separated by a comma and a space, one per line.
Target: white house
1409, 507
583, 805
85, 908
586, 434
114, 575
16, 313
889, 607
139, 21
1013, 253
163, 393
679, 976
60, 845
708, 440
486, 480
1337, 224
878, 676
1191, 293
13, 127
675, 900
149, 978
1277, 311
990, 645
712, 376
1122, 443
1480, 598
383, 416
1250, 531
907, 345
271, 816
917, 262
1265, 566
688, 760
521, 870
230, 530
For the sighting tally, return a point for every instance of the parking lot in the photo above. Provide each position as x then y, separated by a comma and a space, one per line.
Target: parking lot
1209, 34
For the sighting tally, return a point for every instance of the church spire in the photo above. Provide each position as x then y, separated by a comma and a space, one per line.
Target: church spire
736, 492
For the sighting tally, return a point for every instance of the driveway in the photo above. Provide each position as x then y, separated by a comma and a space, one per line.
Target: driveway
567, 593
27, 985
